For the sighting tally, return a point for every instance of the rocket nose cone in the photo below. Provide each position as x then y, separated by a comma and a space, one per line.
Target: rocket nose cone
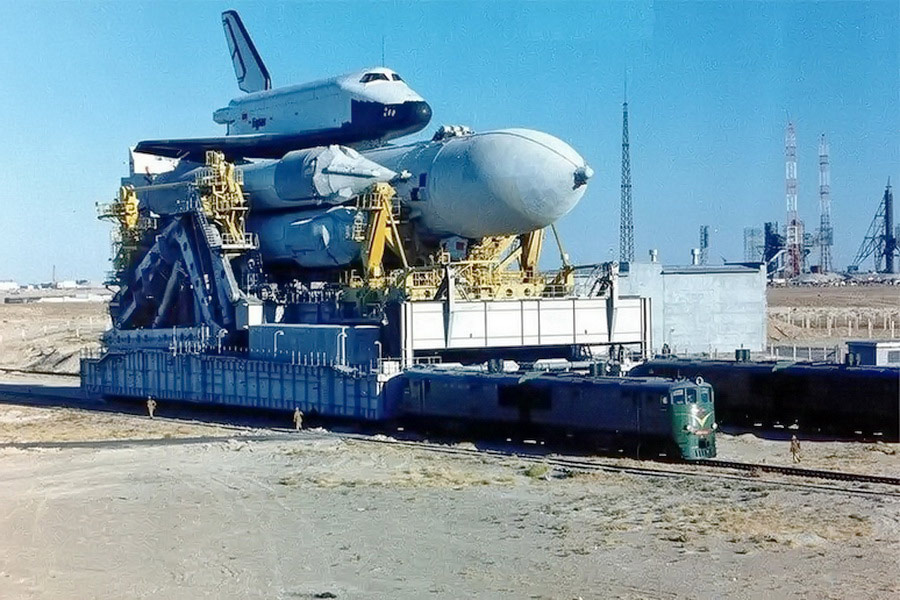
582, 174
532, 177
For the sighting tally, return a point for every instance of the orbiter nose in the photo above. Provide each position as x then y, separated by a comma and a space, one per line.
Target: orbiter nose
506, 182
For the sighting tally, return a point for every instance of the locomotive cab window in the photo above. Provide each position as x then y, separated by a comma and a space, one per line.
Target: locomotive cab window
691, 395
678, 397
704, 395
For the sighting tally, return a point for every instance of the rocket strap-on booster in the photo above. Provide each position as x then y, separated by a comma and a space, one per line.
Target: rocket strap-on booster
322, 175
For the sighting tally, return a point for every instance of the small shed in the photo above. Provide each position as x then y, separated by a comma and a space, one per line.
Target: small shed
882, 353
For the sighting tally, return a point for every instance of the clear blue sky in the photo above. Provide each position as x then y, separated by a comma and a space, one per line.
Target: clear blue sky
710, 88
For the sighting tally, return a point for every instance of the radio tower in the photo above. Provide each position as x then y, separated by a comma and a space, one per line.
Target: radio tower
826, 234
626, 223
793, 264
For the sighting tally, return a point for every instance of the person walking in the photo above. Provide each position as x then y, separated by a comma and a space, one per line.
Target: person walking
151, 406
795, 449
298, 419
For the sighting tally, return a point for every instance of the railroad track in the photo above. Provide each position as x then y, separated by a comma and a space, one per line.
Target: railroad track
38, 372
799, 472
570, 464
661, 469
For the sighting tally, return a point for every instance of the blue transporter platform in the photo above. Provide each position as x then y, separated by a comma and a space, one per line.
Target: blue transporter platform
322, 388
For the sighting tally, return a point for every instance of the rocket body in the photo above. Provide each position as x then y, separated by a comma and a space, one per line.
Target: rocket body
472, 185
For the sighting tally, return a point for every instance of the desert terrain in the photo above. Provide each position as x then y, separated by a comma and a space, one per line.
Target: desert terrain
49, 336
829, 315
310, 515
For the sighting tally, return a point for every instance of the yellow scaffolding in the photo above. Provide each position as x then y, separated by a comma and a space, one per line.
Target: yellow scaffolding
222, 195
485, 273
124, 212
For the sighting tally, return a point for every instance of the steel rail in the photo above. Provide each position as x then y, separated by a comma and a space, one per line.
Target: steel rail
573, 464
798, 471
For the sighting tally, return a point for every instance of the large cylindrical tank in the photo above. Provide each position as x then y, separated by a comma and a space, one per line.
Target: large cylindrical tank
504, 182
315, 238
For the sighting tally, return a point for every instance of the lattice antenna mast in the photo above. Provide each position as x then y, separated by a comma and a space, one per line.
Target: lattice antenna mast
704, 244
794, 233
826, 233
626, 223
880, 242
890, 241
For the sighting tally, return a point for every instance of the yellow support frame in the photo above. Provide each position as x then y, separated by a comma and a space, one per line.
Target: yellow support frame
485, 273
222, 194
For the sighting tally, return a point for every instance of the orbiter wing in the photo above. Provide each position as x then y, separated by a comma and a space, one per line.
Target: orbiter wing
251, 145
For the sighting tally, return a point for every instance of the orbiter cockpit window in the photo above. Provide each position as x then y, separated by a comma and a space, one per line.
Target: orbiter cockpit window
374, 77
398, 78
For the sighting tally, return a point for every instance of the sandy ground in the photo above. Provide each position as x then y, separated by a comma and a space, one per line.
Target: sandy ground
802, 314
28, 424
863, 296
49, 336
319, 517
853, 457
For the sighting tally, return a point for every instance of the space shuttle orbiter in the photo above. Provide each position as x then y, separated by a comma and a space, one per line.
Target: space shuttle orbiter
363, 108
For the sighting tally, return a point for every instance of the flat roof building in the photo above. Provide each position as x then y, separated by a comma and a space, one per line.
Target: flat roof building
701, 308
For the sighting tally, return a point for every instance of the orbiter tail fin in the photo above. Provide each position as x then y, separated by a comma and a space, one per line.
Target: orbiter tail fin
252, 74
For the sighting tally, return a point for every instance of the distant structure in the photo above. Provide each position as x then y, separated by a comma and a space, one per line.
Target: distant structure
890, 238
704, 244
774, 251
793, 264
626, 224
881, 239
826, 234
754, 244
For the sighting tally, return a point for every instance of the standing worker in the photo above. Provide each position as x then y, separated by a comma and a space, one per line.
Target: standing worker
151, 406
795, 448
298, 419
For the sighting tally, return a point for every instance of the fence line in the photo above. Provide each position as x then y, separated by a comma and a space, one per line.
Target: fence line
833, 354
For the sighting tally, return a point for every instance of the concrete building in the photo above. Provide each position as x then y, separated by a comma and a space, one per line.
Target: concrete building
877, 353
701, 308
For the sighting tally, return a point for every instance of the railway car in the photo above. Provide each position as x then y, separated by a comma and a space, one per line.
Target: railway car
815, 397
646, 415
